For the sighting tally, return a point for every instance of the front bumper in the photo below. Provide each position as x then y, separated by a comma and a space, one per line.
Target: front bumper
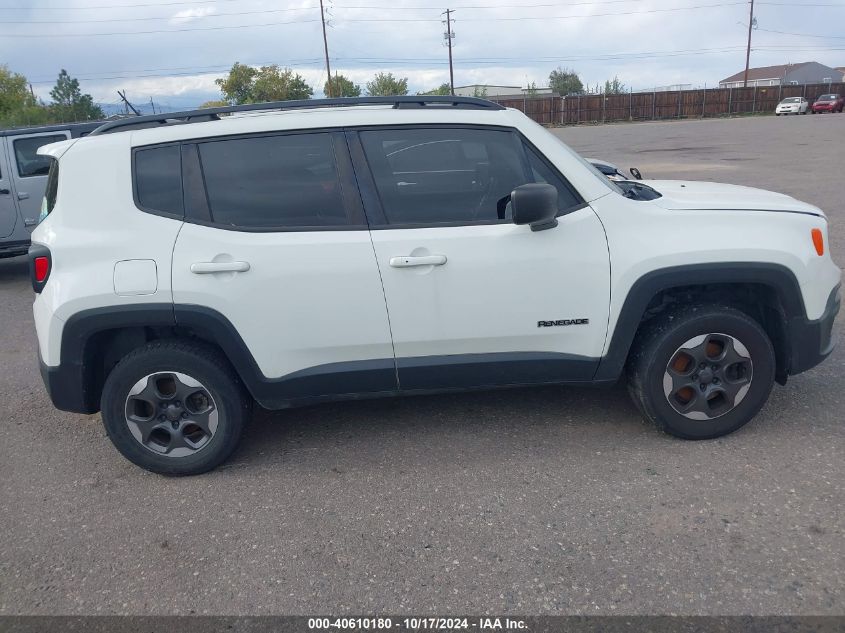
811, 342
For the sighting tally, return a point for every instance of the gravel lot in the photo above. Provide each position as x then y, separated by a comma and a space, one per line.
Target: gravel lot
536, 501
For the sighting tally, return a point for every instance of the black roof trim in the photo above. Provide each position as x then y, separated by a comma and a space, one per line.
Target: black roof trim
212, 114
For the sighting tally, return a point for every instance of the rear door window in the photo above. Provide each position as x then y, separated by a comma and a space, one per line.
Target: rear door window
273, 182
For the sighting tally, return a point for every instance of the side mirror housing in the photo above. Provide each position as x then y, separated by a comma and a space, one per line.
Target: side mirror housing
535, 204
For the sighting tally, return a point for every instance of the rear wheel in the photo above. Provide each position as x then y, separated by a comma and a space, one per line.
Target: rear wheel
701, 372
174, 408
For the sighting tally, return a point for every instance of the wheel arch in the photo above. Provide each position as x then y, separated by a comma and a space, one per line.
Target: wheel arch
94, 341
769, 293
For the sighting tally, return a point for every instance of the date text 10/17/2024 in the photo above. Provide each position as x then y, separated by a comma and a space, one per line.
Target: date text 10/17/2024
417, 623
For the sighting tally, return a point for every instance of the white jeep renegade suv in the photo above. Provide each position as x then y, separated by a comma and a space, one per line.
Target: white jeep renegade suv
300, 252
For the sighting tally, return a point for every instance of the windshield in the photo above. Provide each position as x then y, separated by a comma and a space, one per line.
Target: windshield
828, 97
593, 169
791, 100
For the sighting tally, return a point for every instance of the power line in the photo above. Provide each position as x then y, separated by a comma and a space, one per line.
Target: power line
554, 17
381, 8
114, 6
828, 37
413, 61
209, 28
149, 19
356, 20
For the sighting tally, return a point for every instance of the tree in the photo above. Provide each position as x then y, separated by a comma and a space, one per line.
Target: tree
480, 92
69, 104
565, 81
386, 85
14, 93
274, 84
443, 89
214, 103
614, 87
245, 84
237, 85
342, 86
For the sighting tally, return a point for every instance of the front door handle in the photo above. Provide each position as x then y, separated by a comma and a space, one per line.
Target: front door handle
23, 195
206, 268
407, 261
5, 192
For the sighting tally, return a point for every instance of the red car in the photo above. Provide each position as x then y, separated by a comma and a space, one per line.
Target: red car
829, 103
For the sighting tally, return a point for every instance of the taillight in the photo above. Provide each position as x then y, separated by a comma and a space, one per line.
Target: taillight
40, 265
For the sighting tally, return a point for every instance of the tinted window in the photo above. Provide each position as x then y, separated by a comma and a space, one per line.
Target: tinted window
52, 190
158, 179
273, 181
541, 172
429, 176
29, 162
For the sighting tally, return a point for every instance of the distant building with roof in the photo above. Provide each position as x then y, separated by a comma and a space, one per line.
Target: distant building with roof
785, 74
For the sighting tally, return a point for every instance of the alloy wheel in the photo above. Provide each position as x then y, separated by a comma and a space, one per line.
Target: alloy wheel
708, 376
171, 414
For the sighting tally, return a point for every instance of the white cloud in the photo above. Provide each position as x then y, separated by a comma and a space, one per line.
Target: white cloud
189, 15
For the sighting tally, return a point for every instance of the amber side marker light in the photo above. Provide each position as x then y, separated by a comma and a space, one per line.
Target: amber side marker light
818, 241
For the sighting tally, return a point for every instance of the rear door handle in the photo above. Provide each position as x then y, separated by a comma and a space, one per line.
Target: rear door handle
407, 261
206, 268
23, 195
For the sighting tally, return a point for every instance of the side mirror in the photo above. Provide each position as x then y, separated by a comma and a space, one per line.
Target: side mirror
636, 173
535, 204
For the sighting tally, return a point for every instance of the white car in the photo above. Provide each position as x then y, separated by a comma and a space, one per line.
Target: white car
191, 264
792, 105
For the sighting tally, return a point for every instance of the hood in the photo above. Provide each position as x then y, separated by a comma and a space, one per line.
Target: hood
713, 196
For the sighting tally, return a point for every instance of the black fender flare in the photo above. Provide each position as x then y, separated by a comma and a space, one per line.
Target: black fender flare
75, 378
775, 276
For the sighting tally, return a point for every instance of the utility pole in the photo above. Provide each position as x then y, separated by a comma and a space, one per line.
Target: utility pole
152, 105
449, 36
748, 49
326, 48
127, 105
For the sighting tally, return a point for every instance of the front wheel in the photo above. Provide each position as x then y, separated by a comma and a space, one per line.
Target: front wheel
701, 372
174, 407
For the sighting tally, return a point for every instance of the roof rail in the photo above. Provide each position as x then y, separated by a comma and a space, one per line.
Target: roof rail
213, 114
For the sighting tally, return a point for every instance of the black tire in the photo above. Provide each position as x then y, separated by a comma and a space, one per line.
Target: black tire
658, 344
217, 379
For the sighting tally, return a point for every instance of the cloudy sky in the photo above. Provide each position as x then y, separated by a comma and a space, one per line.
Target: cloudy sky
171, 51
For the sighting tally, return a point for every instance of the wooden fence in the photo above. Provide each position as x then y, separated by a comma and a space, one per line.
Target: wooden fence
675, 104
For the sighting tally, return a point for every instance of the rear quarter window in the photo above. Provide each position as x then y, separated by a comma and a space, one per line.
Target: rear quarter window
158, 179
51, 193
